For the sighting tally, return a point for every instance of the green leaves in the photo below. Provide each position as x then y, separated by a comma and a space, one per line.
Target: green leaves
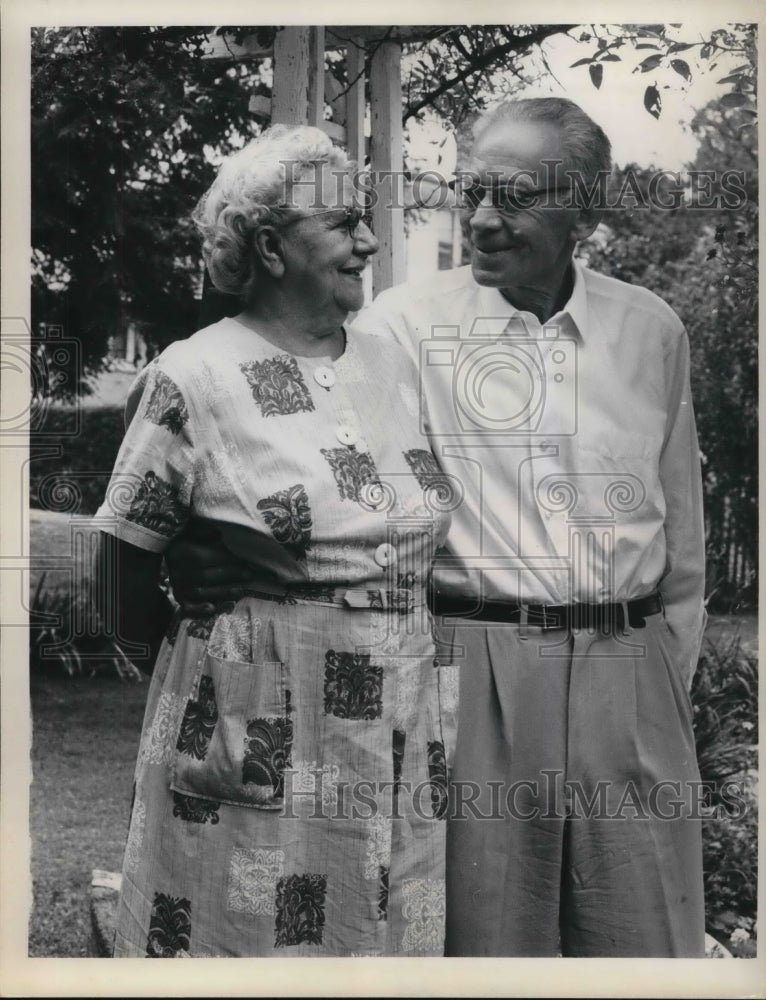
596, 74
733, 100
682, 68
652, 62
653, 101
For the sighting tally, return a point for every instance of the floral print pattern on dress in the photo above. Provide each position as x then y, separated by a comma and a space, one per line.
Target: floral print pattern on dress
268, 747
353, 687
201, 628
198, 723
288, 515
378, 851
133, 853
397, 749
352, 469
166, 406
383, 874
234, 637
300, 915
156, 505
423, 465
437, 778
169, 927
195, 810
423, 909
408, 685
253, 876
303, 785
158, 745
278, 386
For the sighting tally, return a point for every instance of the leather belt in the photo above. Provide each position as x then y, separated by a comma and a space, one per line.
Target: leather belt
601, 617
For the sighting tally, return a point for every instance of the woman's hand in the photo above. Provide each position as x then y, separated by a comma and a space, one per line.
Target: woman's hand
203, 572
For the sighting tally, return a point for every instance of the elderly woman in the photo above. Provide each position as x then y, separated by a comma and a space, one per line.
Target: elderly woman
290, 788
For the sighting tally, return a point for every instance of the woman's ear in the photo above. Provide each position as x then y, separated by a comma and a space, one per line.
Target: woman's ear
267, 248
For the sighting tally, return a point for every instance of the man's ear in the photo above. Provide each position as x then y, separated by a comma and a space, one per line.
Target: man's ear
587, 223
268, 251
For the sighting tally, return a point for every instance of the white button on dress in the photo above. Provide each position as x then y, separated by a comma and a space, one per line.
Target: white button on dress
346, 434
324, 376
385, 555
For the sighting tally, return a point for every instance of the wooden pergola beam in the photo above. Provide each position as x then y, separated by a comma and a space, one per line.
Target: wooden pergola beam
356, 103
389, 265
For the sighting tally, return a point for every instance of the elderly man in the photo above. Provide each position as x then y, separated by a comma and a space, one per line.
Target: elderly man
572, 595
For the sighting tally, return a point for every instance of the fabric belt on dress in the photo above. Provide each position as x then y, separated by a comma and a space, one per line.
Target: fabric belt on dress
601, 617
372, 597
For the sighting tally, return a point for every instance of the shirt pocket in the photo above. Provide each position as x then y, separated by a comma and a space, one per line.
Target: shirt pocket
617, 476
235, 739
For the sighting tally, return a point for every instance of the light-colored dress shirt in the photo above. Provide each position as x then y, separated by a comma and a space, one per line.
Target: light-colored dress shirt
574, 443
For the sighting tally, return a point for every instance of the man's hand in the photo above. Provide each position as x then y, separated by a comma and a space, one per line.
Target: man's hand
203, 572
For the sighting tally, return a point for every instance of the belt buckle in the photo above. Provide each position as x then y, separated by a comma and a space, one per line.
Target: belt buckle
402, 600
551, 621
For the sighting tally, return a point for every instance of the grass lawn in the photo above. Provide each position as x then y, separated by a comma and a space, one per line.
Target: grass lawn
84, 745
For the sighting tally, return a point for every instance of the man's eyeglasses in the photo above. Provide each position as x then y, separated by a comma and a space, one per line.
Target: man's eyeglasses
507, 198
349, 217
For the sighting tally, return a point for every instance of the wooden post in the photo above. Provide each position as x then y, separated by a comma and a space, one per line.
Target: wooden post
389, 264
297, 96
355, 101
316, 76
290, 91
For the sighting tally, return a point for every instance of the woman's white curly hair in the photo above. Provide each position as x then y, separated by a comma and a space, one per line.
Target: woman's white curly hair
251, 186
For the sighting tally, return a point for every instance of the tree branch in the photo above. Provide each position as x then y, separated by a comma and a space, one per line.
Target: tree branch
483, 61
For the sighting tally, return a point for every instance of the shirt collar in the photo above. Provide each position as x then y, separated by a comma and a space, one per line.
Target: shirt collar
493, 303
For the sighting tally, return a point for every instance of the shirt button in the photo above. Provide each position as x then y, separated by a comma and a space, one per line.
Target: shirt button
324, 376
346, 435
385, 555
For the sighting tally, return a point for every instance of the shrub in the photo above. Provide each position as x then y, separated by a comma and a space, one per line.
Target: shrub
70, 465
725, 699
55, 645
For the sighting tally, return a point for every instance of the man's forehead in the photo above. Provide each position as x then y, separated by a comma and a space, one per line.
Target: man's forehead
509, 146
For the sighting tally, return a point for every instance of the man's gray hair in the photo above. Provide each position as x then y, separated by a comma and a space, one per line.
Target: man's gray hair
586, 148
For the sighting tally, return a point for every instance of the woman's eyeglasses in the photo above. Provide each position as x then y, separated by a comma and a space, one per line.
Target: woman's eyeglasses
507, 198
349, 217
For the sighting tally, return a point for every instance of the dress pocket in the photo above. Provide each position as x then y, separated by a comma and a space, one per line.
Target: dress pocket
235, 738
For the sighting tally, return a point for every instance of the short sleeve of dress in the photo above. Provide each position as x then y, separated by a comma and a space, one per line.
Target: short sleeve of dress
148, 500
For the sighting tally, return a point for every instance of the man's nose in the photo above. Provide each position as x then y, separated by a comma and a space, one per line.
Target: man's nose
485, 216
365, 241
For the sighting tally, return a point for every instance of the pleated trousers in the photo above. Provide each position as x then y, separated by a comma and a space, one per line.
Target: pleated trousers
574, 822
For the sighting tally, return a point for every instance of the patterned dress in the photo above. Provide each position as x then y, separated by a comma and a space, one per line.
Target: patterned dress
290, 788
